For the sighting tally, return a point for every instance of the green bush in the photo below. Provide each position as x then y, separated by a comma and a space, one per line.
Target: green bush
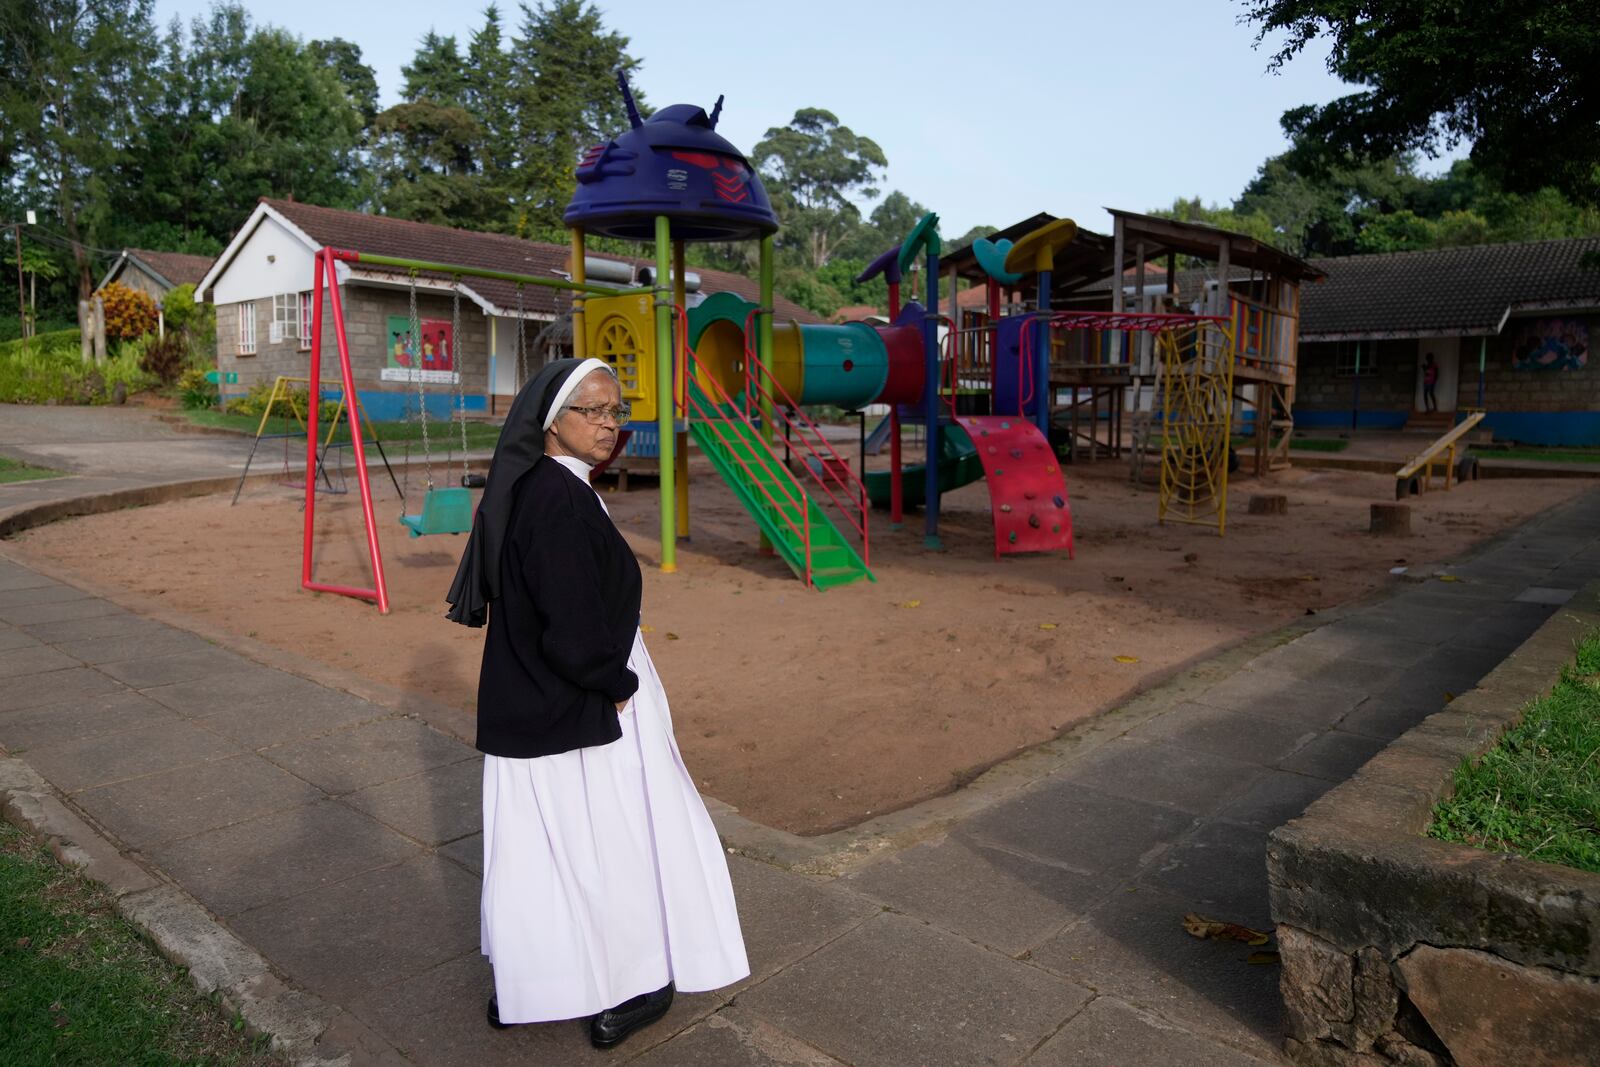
289, 402
51, 370
125, 367
164, 359
194, 391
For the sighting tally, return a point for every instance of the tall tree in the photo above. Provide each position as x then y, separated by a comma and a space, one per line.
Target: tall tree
74, 78
1520, 80
436, 73
565, 97
817, 167
359, 80
489, 97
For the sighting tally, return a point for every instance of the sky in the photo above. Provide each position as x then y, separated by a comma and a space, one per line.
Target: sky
987, 115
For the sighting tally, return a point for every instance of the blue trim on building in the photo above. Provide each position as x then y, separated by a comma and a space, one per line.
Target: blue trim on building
1340, 419
394, 406
1548, 428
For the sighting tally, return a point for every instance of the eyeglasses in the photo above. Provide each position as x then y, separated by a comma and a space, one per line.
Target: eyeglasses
598, 414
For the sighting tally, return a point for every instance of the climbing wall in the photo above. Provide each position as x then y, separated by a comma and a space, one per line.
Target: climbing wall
1026, 487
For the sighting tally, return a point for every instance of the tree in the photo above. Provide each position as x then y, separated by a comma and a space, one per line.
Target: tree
564, 96
359, 80
74, 81
489, 98
886, 227
436, 73
816, 167
1521, 81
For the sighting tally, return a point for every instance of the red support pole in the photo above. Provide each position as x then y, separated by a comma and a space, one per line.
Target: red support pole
311, 422
896, 489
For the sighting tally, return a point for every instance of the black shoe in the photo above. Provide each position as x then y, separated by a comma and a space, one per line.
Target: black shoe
494, 1015
609, 1028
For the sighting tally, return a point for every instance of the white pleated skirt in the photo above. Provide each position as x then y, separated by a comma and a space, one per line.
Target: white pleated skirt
603, 877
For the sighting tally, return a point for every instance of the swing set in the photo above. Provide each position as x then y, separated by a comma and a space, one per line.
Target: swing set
445, 509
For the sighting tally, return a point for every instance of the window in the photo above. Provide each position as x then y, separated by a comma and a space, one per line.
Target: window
305, 322
285, 317
1345, 360
247, 328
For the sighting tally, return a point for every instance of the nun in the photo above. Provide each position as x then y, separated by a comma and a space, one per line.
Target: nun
604, 884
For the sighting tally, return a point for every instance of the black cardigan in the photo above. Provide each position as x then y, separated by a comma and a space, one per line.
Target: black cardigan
555, 662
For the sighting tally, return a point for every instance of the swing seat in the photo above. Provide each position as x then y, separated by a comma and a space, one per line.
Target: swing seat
443, 511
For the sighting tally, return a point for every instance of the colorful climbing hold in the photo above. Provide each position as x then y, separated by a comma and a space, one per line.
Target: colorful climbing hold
1012, 537
1006, 508
1033, 521
1059, 502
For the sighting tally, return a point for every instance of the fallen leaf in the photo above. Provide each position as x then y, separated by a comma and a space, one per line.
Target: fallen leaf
646, 628
1308, 577
1047, 626
912, 604
1268, 958
1449, 578
671, 636
1191, 557
1115, 578
1197, 925
1127, 659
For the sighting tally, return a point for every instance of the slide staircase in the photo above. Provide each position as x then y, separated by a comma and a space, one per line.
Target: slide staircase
792, 518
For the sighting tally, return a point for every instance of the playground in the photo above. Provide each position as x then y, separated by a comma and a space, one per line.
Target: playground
812, 711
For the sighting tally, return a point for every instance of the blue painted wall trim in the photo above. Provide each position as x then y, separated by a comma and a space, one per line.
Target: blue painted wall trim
388, 406
1550, 428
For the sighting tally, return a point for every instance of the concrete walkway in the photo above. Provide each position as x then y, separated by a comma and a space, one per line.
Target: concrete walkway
339, 838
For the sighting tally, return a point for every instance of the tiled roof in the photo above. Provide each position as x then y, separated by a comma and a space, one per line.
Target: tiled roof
1448, 291
385, 236
178, 268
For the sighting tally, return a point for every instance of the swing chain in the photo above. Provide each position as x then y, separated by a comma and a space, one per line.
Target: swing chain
459, 370
416, 376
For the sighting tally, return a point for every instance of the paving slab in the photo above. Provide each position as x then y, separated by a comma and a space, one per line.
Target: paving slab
734, 1037
360, 756
149, 671
345, 939
1239, 736
1274, 695
52, 593
1134, 947
135, 644
935, 999
1079, 828
130, 753
1272, 800
1179, 777
252, 863
60, 611
439, 805
12, 638
249, 685
147, 811
33, 659
16, 577
997, 898
115, 625
465, 851
74, 720
290, 712
1335, 755
54, 687
1222, 869
786, 916
1110, 1033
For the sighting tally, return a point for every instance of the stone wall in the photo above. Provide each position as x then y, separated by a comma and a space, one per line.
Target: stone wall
1401, 950
367, 310
1319, 387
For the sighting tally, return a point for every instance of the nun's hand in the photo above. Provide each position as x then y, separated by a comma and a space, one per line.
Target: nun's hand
624, 705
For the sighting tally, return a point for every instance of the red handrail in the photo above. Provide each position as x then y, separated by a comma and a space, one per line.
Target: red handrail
790, 407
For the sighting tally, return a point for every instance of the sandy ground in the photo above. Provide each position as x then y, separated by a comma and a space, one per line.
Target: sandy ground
811, 711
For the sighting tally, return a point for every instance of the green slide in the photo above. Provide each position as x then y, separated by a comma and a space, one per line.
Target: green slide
768, 492
958, 465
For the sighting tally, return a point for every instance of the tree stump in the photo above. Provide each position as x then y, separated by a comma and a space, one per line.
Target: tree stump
1391, 520
1268, 504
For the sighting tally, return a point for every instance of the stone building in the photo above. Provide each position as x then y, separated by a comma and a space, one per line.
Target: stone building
156, 273
491, 333
1509, 327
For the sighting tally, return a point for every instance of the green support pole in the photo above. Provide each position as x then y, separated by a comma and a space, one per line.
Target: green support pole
665, 413
764, 350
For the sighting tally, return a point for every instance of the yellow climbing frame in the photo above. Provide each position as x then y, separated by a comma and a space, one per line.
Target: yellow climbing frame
1196, 409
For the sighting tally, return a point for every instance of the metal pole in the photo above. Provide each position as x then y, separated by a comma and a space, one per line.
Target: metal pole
1041, 357
665, 415
1483, 356
580, 339
930, 411
1355, 400
764, 354
896, 481
680, 297
22, 308
317, 277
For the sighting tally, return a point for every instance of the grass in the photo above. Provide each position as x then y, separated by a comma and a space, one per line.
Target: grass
1537, 792
79, 985
14, 470
440, 433
1542, 455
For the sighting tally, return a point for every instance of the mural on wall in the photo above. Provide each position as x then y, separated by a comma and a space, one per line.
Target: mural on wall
1551, 344
430, 357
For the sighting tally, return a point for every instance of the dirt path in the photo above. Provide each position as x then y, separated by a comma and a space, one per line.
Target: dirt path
812, 711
